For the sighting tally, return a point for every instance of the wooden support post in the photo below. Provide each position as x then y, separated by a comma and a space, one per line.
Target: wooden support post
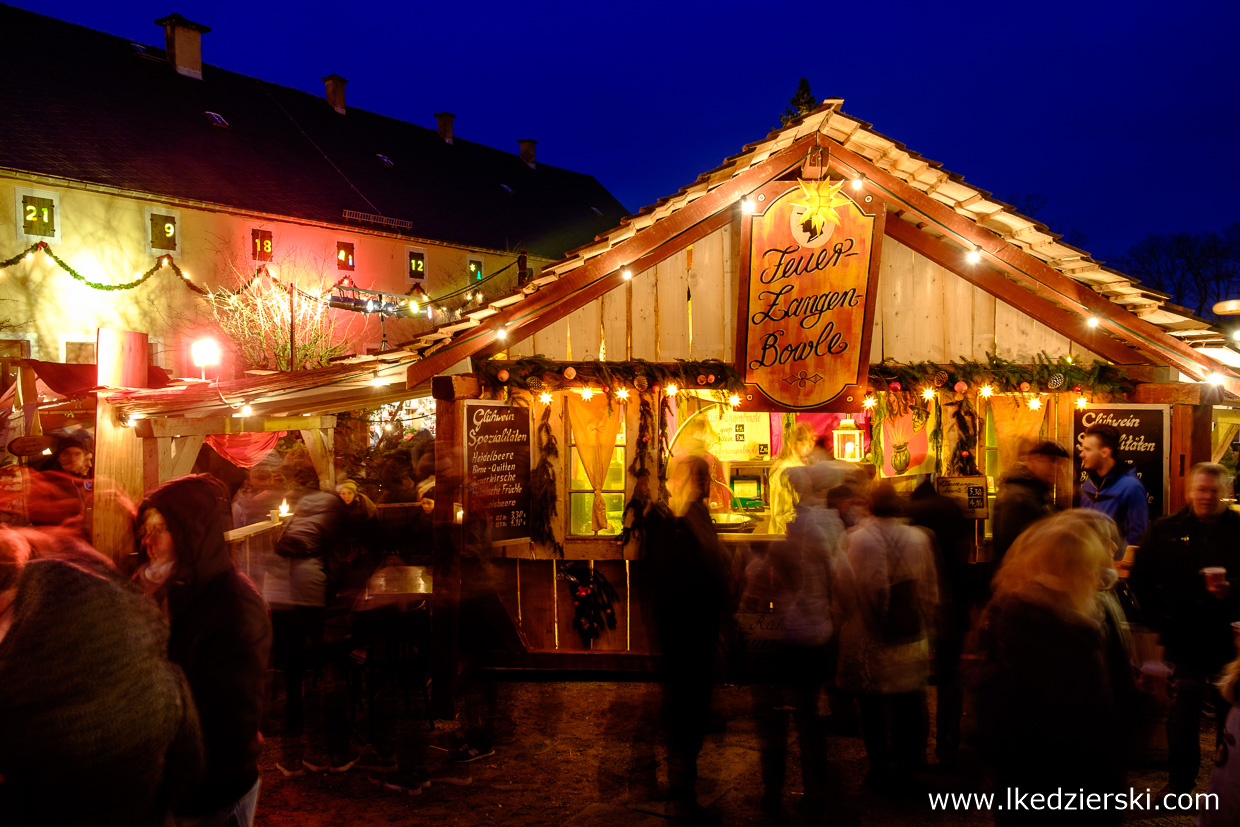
319, 445
119, 471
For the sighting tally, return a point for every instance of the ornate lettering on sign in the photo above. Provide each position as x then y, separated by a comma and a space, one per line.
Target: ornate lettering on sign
807, 316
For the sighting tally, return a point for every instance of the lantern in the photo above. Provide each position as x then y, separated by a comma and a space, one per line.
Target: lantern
847, 441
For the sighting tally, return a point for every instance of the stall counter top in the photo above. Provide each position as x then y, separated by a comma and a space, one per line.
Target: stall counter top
738, 537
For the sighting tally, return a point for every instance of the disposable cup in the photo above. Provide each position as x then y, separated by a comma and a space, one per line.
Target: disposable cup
1215, 575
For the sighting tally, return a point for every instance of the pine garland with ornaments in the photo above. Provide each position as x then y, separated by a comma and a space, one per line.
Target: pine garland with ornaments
537, 373
1044, 375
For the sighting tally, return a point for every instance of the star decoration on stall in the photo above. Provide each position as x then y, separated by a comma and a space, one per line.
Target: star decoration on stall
820, 199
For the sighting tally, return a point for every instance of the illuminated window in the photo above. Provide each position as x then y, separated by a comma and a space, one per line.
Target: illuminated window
417, 265
261, 245
38, 215
344, 255
581, 493
163, 231
475, 269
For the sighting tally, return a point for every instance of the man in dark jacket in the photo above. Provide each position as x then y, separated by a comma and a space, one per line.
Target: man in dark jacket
1191, 610
221, 637
1111, 485
1026, 495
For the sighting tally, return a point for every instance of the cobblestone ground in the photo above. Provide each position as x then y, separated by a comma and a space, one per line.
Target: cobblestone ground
588, 753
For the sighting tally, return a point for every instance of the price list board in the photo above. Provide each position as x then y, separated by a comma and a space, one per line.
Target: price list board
497, 469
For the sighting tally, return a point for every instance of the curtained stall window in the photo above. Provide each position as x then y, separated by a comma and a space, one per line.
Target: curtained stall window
597, 462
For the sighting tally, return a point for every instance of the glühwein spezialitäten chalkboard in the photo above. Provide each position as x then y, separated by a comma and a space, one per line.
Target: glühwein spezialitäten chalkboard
497, 469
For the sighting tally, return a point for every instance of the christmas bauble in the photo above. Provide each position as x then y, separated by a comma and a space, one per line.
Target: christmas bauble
961, 387
710, 378
1024, 387
893, 386
502, 376
701, 379
570, 372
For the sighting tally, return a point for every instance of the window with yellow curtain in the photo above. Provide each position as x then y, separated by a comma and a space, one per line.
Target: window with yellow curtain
611, 490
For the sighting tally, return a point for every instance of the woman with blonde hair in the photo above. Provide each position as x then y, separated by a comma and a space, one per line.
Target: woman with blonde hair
798, 442
1047, 717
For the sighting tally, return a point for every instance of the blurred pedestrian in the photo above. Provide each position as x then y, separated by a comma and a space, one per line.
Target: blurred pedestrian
1224, 809
1180, 580
1111, 484
98, 728
691, 599
885, 643
1026, 494
798, 442
802, 585
1047, 717
221, 638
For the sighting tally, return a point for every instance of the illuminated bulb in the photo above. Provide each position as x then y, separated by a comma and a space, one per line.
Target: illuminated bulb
622, 394
1215, 379
430, 312
377, 382
986, 391
246, 410
30, 257
387, 427
747, 206
137, 274
869, 402
587, 393
974, 256
1093, 321
858, 181
672, 389
413, 307
137, 416
185, 274
1035, 404
628, 274
163, 262
47, 452
501, 334
734, 400
1081, 402
545, 398
927, 394
1236, 334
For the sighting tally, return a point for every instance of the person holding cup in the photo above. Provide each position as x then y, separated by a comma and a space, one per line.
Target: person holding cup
1181, 578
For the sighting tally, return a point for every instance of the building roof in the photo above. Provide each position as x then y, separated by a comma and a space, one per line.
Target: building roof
99, 109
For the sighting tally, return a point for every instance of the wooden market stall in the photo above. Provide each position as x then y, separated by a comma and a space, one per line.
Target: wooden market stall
824, 275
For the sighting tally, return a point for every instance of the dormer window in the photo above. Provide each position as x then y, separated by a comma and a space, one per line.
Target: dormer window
387, 162
217, 119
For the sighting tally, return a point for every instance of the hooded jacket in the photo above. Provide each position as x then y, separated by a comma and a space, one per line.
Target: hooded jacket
1121, 496
221, 636
96, 727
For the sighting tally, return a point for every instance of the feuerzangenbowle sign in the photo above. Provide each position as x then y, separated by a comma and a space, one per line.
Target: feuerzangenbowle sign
808, 295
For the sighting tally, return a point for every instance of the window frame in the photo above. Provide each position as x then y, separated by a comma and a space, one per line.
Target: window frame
175, 215
626, 489
58, 222
411, 279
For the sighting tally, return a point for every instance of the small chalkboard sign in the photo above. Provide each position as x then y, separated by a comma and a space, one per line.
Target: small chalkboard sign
970, 492
497, 469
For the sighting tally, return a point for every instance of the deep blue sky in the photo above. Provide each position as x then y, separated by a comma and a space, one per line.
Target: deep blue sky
1125, 114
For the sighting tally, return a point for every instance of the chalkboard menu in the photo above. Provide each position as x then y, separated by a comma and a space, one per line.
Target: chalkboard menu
497, 469
1143, 441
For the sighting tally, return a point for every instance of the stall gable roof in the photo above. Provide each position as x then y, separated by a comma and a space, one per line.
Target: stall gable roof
1027, 252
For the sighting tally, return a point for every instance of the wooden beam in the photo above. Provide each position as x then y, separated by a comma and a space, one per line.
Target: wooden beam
1033, 273
319, 445
184, 452
1176, 393
1224, 434
1056, 318
603, 272
122, 362
457, 386
205, 426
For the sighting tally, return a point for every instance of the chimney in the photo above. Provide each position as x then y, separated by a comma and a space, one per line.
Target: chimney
335, 91
183, 44
527, 151
445, 125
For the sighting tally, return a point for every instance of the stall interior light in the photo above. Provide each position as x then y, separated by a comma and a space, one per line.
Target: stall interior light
1093, 321
246, 410
859, 181
974, 256
587, 394
1081, 402
927, 394
986, 391
747, 206
545, 398
622, 394
1215, 379
628, 274
1235, 334
672, 390
501, 334
1035, 404
869, 402
734, 400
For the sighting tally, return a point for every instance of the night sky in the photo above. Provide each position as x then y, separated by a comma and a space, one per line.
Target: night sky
1124, 114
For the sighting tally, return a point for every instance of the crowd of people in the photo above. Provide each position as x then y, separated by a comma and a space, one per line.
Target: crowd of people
143, 673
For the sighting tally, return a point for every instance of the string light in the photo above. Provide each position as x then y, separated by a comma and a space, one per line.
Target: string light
29, 257
927, 394
545, 398
388, 426
747, 206
1035, 404
246, 410
858, 181
622, 394
869, 402
628, 274
501, 334
163, 262
587, 394
974, 256
672, 389
1081, 402
1093, 321
734, 400
986, 391
1215, 379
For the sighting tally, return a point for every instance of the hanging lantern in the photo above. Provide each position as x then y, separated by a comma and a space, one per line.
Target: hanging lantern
846, 440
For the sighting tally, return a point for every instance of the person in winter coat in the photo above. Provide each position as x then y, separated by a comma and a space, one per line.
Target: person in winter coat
96, 726
1192, 613
1046, 711
1111, 485
802, 585
885, 642
690, 602
1026, 495
221, 637
1224, 809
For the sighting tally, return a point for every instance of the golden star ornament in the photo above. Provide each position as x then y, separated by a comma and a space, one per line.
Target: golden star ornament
820, 199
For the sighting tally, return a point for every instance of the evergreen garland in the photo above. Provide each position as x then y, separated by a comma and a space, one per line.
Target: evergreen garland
610, 376
638, 470
962, 462
1003, 375
542, 487
593, 596
660, 461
